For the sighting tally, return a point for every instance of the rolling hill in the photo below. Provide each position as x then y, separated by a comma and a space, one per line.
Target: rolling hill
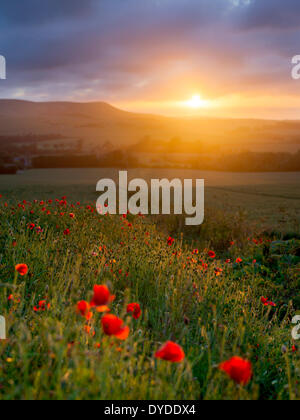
98, 123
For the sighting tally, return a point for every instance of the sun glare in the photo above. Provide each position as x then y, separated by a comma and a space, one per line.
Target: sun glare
196, 102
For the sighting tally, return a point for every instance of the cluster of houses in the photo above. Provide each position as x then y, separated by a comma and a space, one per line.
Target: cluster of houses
16, 156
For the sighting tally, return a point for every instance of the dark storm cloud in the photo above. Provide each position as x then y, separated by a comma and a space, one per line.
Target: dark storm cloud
28, 12
272, 14
135, 48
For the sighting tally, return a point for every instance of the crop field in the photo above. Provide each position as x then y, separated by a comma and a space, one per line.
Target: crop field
137, 307
269, 200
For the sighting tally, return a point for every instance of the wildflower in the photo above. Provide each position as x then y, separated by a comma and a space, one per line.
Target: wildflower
39, 230
67, 232
211, 254
294, 349
83, 308
239, 260
14, 299
72, 215
113, 326
101, 298
171, 352
135, 309
195, 251
170, 241
22, 269
218, 271
42, 306
266, 302
238, 369
88, 329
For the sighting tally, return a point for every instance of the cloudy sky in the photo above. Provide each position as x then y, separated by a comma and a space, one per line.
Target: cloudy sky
233, 57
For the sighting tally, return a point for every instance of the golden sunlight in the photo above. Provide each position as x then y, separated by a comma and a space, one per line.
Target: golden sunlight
196, 102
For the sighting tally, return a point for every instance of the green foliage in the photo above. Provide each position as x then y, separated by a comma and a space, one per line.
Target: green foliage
49, 355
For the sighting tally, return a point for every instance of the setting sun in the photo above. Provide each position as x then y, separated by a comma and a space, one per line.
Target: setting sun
196, 102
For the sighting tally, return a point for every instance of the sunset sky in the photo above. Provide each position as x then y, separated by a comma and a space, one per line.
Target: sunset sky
227, 58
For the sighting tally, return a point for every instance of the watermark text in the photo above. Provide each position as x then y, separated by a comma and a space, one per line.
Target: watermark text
2, 68
296, 330
2, 328
155, 199
296, 68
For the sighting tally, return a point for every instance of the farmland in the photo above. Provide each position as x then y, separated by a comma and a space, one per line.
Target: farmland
270, 200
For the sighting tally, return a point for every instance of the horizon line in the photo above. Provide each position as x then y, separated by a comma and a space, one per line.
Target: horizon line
147, 113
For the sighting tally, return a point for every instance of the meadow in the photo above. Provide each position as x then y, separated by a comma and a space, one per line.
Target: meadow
229, 288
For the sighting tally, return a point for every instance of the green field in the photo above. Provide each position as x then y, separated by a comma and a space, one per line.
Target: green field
211, 307
270, 200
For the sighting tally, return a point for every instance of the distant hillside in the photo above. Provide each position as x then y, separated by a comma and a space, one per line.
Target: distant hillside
100, 123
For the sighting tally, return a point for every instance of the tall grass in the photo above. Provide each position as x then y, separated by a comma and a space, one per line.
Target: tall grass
49, 355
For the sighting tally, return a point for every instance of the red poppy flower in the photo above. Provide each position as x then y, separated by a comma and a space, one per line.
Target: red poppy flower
72, 215
171, 352
42, 306
239, 260
170, 241
83, 308
266, 302
238, 369
211, 254
101, 298
218, 271
112, 325
135, 309
88, 329
22, 269
67, 232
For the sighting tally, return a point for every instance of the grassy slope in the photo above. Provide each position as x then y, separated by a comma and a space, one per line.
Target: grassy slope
212, 317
